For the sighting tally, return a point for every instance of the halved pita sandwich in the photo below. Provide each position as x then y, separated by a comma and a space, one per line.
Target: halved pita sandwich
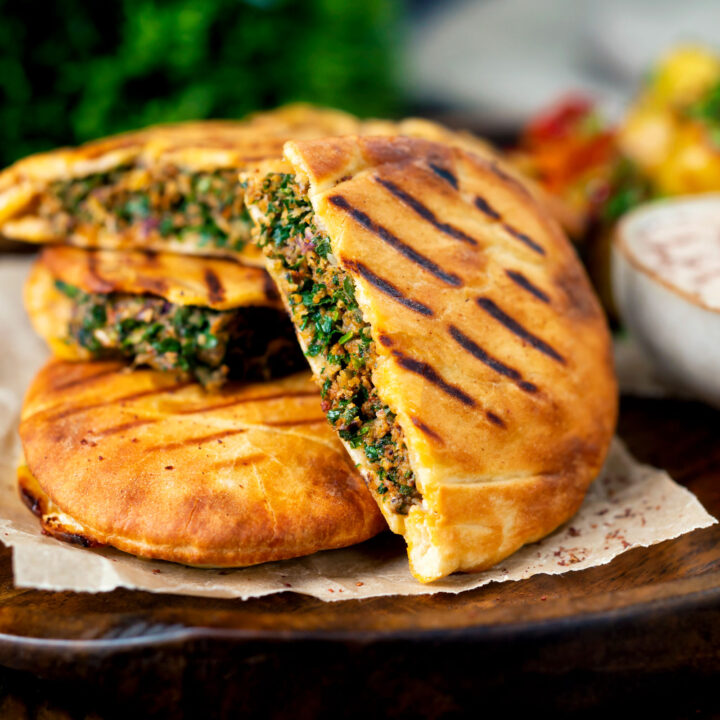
199, 318
462, 356
175, 187
164, 470
169, 187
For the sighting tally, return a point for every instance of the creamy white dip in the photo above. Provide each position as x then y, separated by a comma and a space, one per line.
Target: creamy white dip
679, 241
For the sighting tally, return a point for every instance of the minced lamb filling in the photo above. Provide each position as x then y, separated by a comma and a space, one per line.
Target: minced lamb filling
211, 346
203, 209
322, 299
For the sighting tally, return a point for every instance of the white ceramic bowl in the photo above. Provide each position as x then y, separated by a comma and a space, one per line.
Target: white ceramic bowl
666, 281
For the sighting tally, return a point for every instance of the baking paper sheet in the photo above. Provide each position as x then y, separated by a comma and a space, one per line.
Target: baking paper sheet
629, 505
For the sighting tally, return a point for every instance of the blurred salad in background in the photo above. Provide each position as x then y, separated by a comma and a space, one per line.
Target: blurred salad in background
667, 144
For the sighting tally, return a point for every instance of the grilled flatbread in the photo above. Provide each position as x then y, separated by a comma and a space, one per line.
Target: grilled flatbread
169, 187
199, 318
568, 218
175, 187
462, 356
163, 470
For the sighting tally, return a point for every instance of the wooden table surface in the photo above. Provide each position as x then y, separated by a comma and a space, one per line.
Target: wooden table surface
648, 622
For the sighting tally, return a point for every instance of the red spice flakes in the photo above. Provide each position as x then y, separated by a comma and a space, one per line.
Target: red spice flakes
100, 457
573, 532
289, 585
616, 535
331, 590
570, 556
359, 584
134, 440
169, 467
544, 598
156, 572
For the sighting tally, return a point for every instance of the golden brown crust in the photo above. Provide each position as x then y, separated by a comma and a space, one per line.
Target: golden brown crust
52, 520
570, 219
50, 313
205, 145
165, 470
182, 280
493, 350
193, 146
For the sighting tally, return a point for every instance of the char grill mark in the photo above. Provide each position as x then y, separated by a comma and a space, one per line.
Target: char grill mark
118, 401
387, 287
395, 242
507, 178
495, 419
214, 285
431, 375
519, 279
151, 257
243, 401
425, 213
293, 423
85, 380
490, 307
238, 462
522, 237
499, 367
199, 440
103, 286
445, 174
484, 206
116, 429
156, 286
420, 425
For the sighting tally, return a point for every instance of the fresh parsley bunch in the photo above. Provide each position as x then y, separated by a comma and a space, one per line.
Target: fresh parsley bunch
73, 70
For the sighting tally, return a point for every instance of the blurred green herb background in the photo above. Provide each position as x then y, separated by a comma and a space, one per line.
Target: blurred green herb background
73, 70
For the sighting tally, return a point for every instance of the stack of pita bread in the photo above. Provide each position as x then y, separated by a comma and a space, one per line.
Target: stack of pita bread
455, 345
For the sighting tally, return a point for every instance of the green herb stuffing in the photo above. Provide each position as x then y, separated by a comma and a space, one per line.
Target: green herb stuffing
195, 342
324, 308
203, 209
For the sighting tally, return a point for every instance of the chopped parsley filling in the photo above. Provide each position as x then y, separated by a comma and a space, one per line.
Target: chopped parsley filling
322, 300
204, 209
211, 346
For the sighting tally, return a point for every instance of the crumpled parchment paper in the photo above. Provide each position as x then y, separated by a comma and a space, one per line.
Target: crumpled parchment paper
629, 505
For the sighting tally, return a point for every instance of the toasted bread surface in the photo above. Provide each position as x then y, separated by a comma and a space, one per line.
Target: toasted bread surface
164, 470
492, 349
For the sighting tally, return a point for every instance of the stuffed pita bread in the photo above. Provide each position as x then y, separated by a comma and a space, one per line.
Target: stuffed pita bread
198, 318
164, 470
462, 356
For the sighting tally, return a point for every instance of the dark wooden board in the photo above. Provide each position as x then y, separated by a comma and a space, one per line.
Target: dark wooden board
651, 617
